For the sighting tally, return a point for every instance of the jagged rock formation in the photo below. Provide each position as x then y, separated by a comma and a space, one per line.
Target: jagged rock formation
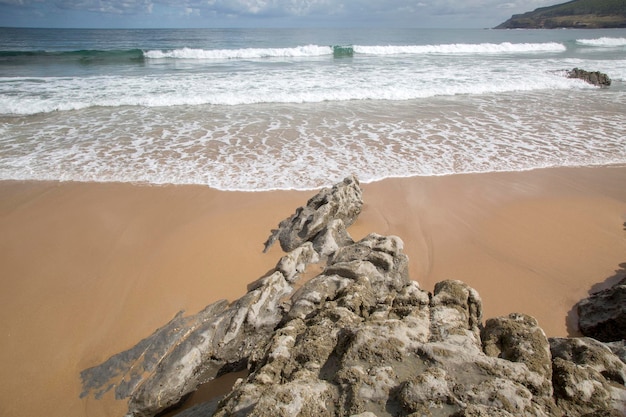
162, 369
592, 77
603, 315
572, 14
361, 339
588, 378
341, 203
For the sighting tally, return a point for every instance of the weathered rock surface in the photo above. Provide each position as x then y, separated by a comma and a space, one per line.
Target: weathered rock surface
597, 78
171, 363
603, 315
588, 377
361, 339
163, 368
341, 202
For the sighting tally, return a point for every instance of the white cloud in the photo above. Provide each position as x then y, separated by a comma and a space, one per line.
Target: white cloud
379, 12
107, 6
20, 3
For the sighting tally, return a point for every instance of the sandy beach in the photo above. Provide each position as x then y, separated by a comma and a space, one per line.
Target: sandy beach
89, 269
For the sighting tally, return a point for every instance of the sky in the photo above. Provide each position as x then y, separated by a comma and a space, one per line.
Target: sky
262, 13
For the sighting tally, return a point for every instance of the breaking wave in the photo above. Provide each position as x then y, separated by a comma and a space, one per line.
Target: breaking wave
603, 42
462, 48
348, 50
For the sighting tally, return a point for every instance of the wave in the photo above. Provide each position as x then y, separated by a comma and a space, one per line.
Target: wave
81, 56
196, 146
350, 50
340, 51
245, 53
603, 42
310, 51
50, 95
463, 48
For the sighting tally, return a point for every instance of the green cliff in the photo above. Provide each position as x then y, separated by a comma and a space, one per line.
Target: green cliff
590, 14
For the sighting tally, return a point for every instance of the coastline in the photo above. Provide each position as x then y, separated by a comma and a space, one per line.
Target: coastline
91, 268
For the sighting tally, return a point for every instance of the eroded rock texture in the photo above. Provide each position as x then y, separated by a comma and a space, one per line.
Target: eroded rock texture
588, 377
361, 339
311, 222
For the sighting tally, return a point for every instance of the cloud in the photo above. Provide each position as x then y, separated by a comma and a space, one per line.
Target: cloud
294, 7
400, 8
254, 7
429, 13
20, 3
107, 6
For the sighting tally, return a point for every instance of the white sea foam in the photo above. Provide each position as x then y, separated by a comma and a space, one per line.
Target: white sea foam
461, 48
603, 42
318, 84
245, 53
288, 146
317, 50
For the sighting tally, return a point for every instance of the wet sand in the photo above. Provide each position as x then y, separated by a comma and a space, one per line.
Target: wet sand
90, 269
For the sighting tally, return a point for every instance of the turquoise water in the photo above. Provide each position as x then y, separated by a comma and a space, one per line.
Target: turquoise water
297, 109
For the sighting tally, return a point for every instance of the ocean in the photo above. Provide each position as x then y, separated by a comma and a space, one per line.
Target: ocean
267, 109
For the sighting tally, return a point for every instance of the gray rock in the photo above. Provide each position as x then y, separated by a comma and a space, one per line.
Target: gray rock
171, 363
362, 335
518, 338
456, 313
591, 353
125, 371
333, 236
163, 368
361, 339
341, 337
223, 343
296, 261
343, 201
603, 315
588, 377
473, 410
592, 77
618, 348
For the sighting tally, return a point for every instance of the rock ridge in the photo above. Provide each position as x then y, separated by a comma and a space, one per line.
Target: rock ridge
579, 14
360, 339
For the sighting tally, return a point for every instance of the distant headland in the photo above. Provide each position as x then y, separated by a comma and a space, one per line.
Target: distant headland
586, 14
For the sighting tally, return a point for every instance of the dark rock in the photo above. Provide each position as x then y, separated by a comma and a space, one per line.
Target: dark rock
361, 339
603, 315
201, 410
592, 77
580, 14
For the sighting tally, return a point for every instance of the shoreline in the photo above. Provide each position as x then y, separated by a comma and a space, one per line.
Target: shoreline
92, 268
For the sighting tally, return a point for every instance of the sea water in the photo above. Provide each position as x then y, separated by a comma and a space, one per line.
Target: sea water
261, 109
